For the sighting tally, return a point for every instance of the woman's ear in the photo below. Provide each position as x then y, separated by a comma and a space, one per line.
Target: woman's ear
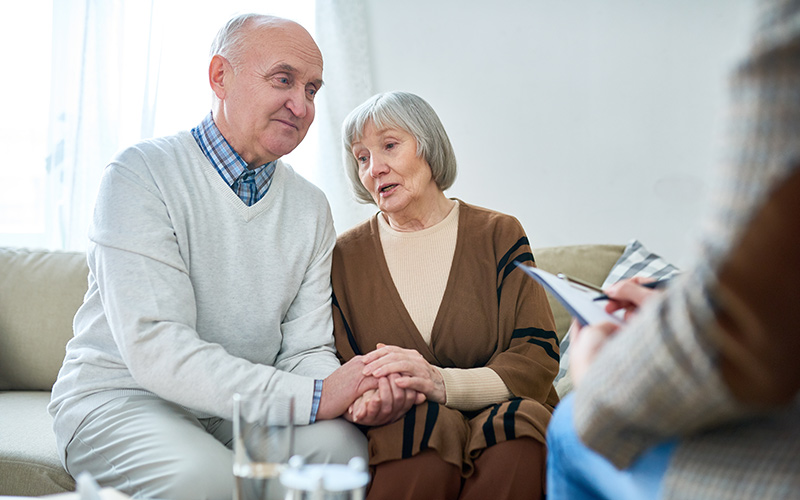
217, 70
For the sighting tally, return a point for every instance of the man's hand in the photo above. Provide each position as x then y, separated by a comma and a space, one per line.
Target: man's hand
342, 387
383, 405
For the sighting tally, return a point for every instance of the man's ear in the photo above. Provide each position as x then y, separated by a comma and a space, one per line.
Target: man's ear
217, 70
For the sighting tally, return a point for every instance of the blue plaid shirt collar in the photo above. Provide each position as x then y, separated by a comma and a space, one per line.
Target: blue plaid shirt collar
249, 185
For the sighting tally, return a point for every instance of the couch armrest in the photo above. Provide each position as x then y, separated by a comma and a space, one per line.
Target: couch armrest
40, 291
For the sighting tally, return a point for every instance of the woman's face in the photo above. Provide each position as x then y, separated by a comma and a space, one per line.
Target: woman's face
389, 168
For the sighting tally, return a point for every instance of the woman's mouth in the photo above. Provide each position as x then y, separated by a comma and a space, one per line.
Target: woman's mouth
387, 188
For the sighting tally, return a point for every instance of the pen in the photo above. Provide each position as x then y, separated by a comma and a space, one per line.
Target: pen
582, 283
652, 284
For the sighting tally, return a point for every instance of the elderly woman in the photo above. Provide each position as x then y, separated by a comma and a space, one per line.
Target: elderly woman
462, 341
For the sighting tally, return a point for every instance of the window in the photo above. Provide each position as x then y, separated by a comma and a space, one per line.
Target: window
97, 76
23, 131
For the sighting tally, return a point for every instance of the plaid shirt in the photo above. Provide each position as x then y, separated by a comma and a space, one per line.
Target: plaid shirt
249, 184
661, 376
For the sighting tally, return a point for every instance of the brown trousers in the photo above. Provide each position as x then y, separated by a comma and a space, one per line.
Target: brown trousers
510, 470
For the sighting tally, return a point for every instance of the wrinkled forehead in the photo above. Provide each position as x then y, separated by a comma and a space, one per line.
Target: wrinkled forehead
275, 38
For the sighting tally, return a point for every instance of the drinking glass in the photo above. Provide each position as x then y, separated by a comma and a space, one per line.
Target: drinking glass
263, 440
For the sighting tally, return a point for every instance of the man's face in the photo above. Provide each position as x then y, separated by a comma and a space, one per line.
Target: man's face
267, 100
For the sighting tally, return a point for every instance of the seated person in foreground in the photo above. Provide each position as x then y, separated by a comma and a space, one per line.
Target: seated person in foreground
428, 292
698, 396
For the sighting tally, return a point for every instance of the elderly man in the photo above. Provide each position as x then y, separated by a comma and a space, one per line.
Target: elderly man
209, 275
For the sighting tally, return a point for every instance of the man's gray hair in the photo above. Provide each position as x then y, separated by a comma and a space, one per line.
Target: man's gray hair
404, 111
229, 42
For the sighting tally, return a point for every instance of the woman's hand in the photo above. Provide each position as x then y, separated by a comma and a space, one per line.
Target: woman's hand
414, 372
585, 345
383, 405
589, 340
628, 295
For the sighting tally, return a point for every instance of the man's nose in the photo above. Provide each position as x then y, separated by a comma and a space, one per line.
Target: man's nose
297, 102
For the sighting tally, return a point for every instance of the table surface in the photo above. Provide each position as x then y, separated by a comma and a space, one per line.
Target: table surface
105, 494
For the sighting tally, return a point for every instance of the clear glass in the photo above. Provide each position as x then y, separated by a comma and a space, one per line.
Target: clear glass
263, 441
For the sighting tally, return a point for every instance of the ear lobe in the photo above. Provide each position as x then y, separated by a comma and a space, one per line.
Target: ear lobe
217, 70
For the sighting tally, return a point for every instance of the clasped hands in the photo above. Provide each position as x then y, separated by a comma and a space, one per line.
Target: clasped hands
404, 379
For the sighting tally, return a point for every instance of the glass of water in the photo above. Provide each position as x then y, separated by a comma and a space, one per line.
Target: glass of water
263, 441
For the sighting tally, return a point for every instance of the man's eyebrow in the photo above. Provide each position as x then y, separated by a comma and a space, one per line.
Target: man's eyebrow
288, 68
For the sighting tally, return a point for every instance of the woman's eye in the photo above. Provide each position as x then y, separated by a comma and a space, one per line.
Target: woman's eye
390, 145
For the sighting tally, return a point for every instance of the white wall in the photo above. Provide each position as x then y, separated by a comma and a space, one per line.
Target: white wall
592, 122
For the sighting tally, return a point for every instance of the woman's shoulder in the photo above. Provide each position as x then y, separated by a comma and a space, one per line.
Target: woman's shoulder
357, 235
481, 219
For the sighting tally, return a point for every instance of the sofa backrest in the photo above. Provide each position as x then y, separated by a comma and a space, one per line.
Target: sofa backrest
40, 291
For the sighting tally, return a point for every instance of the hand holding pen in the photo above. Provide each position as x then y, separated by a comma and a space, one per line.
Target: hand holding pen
653, 285
630, 294
627, 294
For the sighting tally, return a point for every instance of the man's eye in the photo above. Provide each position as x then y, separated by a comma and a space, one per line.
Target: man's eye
312, 92
283, 80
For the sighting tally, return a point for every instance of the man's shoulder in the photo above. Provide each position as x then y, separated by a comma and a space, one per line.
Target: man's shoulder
157, 149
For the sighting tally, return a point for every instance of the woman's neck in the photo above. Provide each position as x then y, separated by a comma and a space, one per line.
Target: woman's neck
421, 215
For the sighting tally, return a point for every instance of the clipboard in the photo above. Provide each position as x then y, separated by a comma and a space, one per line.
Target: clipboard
578, 301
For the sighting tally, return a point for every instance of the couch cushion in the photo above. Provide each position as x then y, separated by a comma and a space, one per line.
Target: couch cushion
29, 464
588, 262
39, 294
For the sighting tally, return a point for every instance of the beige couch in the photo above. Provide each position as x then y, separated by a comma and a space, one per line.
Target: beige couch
39, 294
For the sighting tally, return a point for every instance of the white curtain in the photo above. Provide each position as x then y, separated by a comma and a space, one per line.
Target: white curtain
125, 70
343, 36
102, 97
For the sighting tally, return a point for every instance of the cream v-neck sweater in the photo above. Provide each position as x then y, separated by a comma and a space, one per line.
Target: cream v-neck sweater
193, 295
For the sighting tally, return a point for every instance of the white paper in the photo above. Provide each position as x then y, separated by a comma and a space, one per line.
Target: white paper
577, 301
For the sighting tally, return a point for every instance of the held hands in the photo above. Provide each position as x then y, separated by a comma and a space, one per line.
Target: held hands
383, 405
415, 373
404, 379
361, 395
589, 340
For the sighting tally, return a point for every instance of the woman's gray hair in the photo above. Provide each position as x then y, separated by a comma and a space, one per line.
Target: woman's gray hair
404, 111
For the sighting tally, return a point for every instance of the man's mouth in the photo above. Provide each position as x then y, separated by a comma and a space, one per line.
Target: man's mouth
288, 124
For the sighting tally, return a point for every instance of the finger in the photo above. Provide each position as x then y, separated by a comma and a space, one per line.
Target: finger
397, 394
629, 291
418, 384
386, 354
387, 397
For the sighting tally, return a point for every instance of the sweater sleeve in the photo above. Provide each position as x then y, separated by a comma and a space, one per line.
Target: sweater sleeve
473, 388
307, 330
527, 357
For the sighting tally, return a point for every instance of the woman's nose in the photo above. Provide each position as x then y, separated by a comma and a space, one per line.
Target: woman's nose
377, 167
